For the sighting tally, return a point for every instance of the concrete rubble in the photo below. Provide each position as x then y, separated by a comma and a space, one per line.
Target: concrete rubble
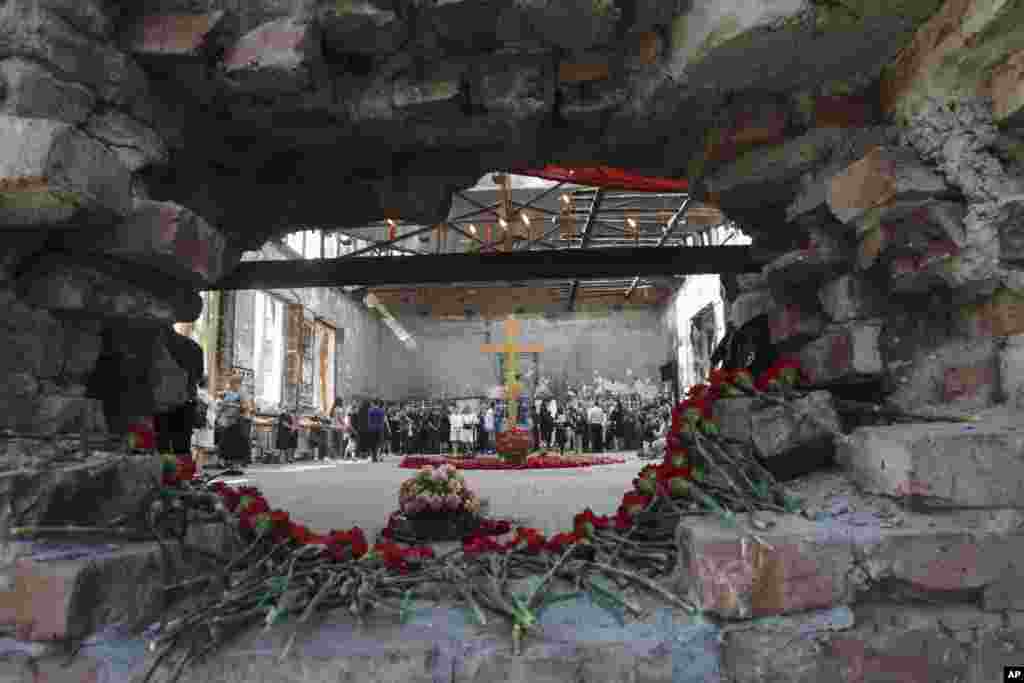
143, 149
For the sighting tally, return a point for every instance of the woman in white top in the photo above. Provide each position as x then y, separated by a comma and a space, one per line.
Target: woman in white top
454, 429
468, 429
202, 440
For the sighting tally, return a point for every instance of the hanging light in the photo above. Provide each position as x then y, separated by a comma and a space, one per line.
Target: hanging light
632, 222
503, 223
565, 198
472, 229
526, 219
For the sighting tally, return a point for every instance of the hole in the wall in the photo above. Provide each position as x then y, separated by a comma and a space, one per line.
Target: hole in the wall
82, 500
352, 63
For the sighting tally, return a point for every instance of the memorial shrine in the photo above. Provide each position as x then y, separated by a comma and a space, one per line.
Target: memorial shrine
734, 290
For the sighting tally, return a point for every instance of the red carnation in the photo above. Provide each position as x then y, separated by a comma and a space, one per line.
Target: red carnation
560, 542
586, 522
623, 520
359, 545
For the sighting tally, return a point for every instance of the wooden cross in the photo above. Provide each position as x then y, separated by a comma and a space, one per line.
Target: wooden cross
512, 350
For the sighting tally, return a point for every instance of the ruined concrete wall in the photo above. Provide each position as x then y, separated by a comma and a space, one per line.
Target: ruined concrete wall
369, 360
621, 347
908, 272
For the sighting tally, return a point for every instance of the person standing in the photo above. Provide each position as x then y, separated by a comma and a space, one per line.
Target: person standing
481, 432
582, 429
617, 426
536, 418
489, 429
595, 417
446, 430
375, 429
499, 417
174, 428
468, 430
562, 431
395, 425
552, 411
455, 430
202, 439
232, 442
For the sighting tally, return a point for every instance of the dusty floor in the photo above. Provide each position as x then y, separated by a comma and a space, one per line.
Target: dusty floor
345, 494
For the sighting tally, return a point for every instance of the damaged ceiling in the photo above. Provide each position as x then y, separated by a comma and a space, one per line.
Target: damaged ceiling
340, 113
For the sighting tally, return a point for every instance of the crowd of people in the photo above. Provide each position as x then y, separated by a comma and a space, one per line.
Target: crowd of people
372, 429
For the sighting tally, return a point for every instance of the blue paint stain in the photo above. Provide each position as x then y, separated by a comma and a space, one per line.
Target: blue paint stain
122, 654
839, 524
52, 552
694, 646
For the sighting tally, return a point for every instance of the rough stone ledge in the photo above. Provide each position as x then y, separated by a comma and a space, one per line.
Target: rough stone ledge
876, 642
579, 642
942, 465
55, 591
91, 492
852, 547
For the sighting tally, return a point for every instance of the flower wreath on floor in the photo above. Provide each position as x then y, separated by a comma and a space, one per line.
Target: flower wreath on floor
341, 568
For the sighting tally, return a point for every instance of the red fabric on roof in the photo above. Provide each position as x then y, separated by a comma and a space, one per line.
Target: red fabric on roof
605, 176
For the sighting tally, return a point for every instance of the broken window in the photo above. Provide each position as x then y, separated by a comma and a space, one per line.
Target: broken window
325, 355
269, 351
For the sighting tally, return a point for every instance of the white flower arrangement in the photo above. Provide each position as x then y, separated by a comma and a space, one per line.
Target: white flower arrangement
440, 489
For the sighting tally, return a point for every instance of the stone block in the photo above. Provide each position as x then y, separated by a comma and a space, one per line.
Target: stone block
31, 91
931, 267
855, 552
166, 237
797, 268
82, 347
1011, 372
874, 642
62, 591
884, 175
907, 218
277, 57
54, 34
961, 373
999, 315
178, 35
440, 87
748, 282
62, 414
96, 491
845, 351
942, 464
33, 343
514, 86
751, 126
790, 443
850, 297
79, 284
843, 111
750, 304
793, 323
583, 26
53, 174
136, 144
365, 28
1010, 220
1001, 648
1006, 88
